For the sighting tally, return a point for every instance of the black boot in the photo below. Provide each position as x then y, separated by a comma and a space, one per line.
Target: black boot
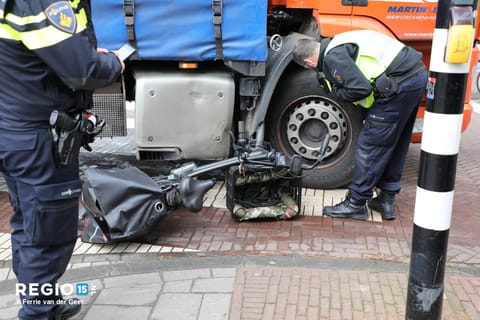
385, 204
348, 208
69, 309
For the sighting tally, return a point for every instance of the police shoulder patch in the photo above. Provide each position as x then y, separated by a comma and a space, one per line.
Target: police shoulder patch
61, 15
336, 75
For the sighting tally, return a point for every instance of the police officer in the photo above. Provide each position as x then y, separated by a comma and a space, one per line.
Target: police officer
387, 78
49, 61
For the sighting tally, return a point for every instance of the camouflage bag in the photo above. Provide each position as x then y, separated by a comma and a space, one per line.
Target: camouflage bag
256, 192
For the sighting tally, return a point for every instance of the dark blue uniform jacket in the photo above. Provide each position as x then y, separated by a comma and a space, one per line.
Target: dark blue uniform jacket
48, 61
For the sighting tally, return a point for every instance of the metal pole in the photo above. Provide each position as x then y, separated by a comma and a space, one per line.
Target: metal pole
449, 67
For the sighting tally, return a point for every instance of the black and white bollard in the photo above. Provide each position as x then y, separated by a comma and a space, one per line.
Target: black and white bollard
449, 67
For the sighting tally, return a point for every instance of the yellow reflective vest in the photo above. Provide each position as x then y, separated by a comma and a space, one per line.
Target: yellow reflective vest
375, 52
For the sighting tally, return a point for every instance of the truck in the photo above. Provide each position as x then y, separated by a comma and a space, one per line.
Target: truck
210, 77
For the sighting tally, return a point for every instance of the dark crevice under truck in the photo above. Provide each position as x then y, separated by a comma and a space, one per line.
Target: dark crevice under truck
206, 69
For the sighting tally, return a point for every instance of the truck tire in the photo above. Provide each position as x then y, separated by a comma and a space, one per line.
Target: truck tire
300, 114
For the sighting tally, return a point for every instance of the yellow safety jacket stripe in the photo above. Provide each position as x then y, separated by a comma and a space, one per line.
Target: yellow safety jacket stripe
39, 38
7, 32
22, 21
49, 36
75, 3
367, 102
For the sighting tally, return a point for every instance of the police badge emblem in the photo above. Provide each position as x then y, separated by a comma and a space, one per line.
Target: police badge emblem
61, 15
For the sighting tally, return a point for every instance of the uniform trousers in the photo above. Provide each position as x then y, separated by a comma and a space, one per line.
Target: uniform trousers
44, 197
385, 138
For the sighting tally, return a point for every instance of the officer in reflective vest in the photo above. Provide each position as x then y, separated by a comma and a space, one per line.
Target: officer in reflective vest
387, 78
48, 61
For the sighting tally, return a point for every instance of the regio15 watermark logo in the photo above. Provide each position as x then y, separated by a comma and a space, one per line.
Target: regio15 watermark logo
33, 290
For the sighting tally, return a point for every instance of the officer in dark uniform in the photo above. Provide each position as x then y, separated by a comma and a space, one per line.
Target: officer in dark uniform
378, 72
48, 61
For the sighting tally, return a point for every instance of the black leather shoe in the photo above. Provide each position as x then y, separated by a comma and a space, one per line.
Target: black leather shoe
348, 208
69, 309
385, 204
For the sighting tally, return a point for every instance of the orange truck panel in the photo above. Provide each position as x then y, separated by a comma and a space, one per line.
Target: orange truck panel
412, 22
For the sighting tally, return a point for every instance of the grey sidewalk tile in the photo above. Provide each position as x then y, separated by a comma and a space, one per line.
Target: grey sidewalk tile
81, 265
4, 273
186, 274
9, 313
140, 295
117, 313
11, 275
177, 286
213, 285
224, 272
9, 305
101, 263
133, 280
9, 300
215, 307
179, 306
8, 286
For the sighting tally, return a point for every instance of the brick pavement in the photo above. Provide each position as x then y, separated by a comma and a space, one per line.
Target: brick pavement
153, 287
213, 231
344, 292
311, 294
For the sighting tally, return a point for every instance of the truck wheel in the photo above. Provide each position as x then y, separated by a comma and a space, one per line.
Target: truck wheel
301, 113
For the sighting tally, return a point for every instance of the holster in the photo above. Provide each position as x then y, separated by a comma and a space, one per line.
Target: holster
68, 136
67, 144
385, 86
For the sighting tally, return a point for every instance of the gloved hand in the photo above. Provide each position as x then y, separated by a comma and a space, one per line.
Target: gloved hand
72, 132
323, 81
94, 126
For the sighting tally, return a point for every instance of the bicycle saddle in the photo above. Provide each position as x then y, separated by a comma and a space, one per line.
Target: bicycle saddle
192, 192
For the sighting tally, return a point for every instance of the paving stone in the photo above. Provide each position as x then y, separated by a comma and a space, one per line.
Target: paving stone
11, 275
9, 306
215, 307
9, 300
224, 272
133, 295
81, 265
177, 306
177, 286
133, 280
9, 313
213, 285
4, 273
338, 294
117, 313
186, 274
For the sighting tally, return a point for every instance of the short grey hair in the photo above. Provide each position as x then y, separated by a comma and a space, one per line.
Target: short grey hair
303, 49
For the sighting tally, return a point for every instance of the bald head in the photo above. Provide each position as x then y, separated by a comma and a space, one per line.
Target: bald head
305, 53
